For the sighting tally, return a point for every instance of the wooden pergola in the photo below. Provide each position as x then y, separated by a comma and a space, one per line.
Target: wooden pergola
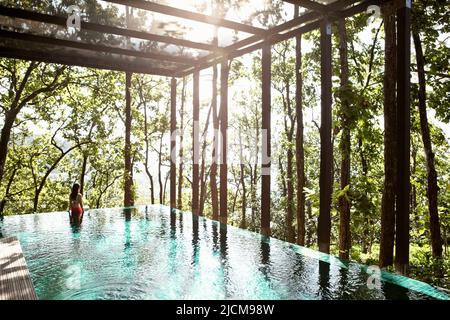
22, 43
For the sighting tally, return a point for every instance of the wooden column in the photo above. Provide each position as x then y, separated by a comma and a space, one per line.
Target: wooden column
195, 145
326, 147
128, 172
266, 141
223, 212
173, 143
387, 237
403, 136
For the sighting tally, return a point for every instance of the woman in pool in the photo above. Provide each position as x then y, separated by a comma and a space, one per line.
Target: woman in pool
76, 205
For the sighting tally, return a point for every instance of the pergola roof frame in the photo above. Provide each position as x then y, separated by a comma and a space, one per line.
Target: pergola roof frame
274, 36
184, 14
61, 21
182, 61
320, 18
304, 23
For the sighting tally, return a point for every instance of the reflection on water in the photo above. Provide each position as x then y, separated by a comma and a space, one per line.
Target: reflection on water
324, 280
152, 253
76, 229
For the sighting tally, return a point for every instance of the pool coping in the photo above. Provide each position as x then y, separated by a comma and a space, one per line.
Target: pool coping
15, 278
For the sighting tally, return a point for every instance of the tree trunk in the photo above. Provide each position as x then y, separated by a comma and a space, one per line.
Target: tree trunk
289, 131
252, 198
83, 172
213, 173
299, 148
390, 161
243, 223
146, 140
8, 187
4, 140
432, 186
203, 177
365, 172
165, 188
309, 233
344, 203
128, 183
180, 152
413, 174
159, 169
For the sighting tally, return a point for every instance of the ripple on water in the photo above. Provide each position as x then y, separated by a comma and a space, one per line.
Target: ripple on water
141, 255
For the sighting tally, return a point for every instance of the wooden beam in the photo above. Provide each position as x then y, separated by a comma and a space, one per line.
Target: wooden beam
266, 141
308, 4
195, 144
280, 33
61, 21
216, 57
403, 136
81, 61
173, 143
184, 14
224, 72
323, 8
96, 47
326, 147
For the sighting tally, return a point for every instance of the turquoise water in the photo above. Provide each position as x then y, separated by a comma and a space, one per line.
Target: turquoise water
149, 253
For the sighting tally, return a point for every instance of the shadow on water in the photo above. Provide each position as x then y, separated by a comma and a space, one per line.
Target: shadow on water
215, 236
195, 241
224, 262
173, 225
343, 284
264, 252
128, 213
324, 280
394, 292
76, 228
223, 231
173, 220
180, 222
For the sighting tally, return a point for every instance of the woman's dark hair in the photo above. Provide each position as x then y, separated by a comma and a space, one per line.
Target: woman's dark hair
75, 190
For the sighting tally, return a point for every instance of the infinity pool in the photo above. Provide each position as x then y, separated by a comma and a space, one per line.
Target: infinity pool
149, 253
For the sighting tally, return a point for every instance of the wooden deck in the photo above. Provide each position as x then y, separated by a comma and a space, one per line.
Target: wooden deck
15, 280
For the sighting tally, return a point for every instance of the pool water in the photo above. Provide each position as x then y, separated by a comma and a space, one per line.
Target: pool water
149, 253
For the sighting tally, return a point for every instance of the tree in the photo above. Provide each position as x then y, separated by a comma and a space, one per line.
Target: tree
432, 185
39, 182
345, 148
299, 147
27, 83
